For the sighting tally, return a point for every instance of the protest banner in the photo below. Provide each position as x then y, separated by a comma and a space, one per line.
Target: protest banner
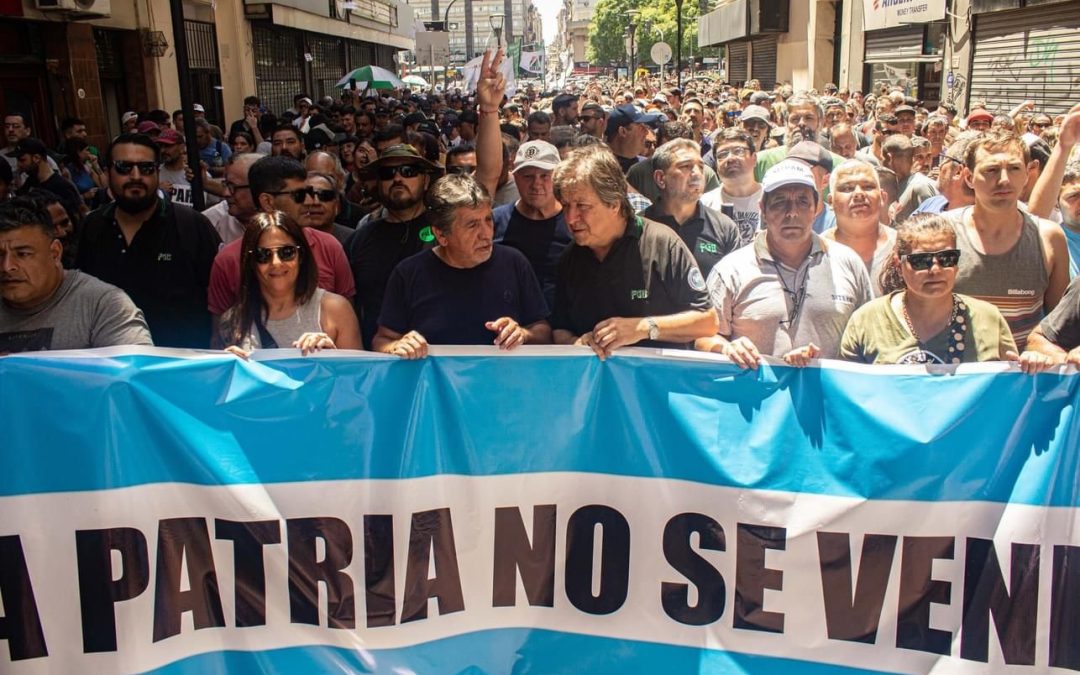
535, 512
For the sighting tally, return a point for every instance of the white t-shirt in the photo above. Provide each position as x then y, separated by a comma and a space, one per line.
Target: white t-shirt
746, 211
228, 227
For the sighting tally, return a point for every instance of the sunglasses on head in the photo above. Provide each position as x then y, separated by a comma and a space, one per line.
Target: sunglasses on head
406, 171
920, 262
284, 253
302, 194
125, 168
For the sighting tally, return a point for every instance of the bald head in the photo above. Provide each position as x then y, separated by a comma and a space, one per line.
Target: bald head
326, 163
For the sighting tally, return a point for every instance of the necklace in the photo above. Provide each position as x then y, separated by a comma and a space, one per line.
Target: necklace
957, 326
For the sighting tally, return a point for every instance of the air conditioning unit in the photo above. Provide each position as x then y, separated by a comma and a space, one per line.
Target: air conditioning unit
76, 9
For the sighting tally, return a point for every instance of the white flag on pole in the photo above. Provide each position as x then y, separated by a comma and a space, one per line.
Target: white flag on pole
530, 62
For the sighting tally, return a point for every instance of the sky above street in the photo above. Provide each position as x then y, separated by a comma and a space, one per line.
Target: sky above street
549, 12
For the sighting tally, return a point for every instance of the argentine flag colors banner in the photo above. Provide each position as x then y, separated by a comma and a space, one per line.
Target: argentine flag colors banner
538, 512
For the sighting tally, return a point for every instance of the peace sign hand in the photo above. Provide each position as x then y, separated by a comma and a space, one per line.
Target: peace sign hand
492, 84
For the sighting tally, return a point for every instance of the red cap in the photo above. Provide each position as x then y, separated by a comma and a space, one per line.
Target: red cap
169, 137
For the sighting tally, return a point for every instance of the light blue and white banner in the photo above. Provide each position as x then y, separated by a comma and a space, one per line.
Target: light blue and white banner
539, 512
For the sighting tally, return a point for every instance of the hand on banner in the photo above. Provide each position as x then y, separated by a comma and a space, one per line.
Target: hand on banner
236, 351
610, 334
800, 358
411, 345
1030, 362
508, 333
587, 340
313, 342
1073, 357
743, 353
491, 86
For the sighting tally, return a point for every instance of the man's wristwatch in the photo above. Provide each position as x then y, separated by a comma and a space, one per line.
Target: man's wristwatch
654, 330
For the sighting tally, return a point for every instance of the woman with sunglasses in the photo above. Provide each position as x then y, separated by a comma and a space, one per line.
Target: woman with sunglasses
919, 319
280, 303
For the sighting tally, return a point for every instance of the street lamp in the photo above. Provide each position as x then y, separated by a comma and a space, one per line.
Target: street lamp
496, 22
446, 66
631, 28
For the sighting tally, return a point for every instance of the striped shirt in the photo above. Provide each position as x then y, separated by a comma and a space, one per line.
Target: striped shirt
1014, 281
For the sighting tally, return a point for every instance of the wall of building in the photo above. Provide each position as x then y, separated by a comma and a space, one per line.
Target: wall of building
804, 55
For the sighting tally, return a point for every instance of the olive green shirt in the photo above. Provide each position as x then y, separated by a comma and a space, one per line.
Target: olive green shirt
875, 334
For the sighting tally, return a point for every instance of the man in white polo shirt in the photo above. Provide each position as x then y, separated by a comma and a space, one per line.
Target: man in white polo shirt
790, 293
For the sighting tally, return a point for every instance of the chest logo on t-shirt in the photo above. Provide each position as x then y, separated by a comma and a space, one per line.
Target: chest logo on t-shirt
164, 257
426, 235
706, 246
639, 294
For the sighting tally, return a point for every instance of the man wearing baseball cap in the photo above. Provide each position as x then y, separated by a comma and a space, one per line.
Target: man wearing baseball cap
790, 293
534, 224
626, 131
755, 121
979, 120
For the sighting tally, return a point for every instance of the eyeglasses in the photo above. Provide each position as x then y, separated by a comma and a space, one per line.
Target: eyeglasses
284, 253
741, 153
461, 169
233, 187
300, 195
920, 262
406, 171
125, 168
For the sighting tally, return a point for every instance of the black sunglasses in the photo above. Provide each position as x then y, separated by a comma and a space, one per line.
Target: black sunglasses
462, 169
920, 262
301, 194
284, 253
406, 171
125, 168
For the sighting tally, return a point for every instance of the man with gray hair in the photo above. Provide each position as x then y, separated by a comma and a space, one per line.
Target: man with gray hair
626, 280
913, 188
679, 173
467, 290
805, 118
953, 189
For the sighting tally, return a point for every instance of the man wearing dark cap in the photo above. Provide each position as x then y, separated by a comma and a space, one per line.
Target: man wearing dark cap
625, 133
905, 118
564, 109
912, 187
413, 120
592, 119
321, 137
755, 121
403, 177
33, 160
762, 98
820, 162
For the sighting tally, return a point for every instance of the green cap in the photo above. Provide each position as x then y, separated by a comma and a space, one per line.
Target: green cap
395, 153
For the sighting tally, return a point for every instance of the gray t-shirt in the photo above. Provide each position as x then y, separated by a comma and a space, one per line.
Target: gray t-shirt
779, 308
84, 312
1062, 326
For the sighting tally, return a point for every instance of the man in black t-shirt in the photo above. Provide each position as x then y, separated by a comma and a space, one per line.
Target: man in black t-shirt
467, 290
380, 244
679, 172
534, 224
626, 280
33, 160
1058, 335
158, 252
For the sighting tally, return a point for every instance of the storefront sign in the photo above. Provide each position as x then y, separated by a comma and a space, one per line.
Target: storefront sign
878, 14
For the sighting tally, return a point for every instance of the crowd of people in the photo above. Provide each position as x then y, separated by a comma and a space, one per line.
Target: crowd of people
798, 225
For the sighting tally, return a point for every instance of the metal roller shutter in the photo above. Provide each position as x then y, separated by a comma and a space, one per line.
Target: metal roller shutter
1032, 53
895, 44
279, 58
738, 57
763, 61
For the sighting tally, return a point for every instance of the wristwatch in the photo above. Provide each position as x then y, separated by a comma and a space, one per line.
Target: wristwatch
654, 330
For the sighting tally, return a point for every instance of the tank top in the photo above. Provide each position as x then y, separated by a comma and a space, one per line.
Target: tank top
1014, 281
306, 319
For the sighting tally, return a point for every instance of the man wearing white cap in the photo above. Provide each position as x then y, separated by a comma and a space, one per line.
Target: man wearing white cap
199, 112
534, 224
129, 122
789, 293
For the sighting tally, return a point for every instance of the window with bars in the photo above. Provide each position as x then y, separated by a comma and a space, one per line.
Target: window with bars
201, 45
110, 56
327, 64
279, 71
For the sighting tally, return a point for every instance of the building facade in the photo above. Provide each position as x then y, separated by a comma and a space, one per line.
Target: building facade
470, 26
774, 41
96, 59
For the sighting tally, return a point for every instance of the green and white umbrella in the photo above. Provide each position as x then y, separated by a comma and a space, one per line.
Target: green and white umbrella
373, 76
415, 80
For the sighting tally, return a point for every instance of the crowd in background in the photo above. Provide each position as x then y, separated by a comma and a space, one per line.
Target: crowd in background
800, 225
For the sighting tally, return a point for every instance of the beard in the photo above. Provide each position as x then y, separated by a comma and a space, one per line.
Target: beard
401, 200
136, 204
793, 138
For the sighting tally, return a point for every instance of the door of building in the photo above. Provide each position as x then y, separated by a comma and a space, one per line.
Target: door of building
763, 61
737, 63
205, 73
